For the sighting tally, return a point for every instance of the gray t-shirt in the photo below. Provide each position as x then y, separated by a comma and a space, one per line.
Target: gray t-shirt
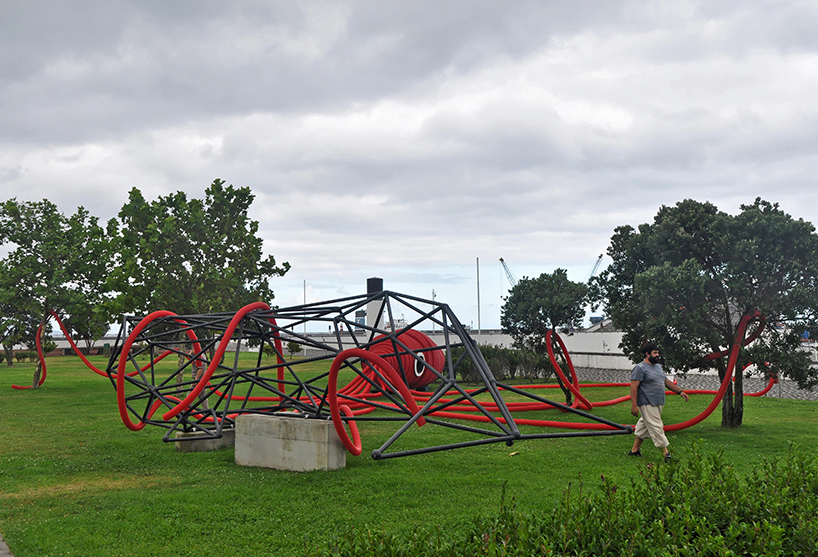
651, 391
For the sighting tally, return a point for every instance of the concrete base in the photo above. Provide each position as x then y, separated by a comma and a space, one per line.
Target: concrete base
228, 439
288, 443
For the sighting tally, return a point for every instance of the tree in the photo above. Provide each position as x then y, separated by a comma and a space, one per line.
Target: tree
293, 347
16, 308
55, 261
189, 255
12, 331
686, 281
536, 306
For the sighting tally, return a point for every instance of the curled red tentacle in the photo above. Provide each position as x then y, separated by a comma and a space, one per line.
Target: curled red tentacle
43, 370
77, 351
228, 333
573, 384
123, 359
731, 368
332, 392
417, 374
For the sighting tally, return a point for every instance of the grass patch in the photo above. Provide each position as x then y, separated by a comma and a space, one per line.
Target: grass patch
75, 481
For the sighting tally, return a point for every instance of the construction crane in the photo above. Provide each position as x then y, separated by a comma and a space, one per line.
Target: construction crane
595, 268
511, 279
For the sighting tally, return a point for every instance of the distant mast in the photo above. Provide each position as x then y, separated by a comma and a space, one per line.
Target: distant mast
478, 296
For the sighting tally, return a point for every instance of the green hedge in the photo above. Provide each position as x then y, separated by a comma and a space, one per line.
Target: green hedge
504, 363
699, 507
23, 355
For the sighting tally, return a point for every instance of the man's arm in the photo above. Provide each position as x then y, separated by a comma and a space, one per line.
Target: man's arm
634, 387
675, 388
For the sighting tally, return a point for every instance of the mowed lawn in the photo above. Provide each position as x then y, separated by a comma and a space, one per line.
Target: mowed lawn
75, 481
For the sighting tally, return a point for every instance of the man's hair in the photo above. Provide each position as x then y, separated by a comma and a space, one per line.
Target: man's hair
649, 347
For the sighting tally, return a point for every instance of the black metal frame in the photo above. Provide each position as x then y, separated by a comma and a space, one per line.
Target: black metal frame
238, 385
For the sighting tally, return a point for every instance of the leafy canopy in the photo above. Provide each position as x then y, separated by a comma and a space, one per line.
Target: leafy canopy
56, 262
687, 279
190, 255
537, 305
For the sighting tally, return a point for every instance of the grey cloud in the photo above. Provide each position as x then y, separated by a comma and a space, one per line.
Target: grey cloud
81, 71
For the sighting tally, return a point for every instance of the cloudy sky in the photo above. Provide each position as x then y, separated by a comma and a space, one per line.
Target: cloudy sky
407, 139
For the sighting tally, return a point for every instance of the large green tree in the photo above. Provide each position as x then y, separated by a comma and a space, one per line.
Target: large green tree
17, 309
686, 280
56, 262
189, 255
538, 305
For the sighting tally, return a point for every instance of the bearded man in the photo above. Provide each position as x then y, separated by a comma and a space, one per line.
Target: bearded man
648, 383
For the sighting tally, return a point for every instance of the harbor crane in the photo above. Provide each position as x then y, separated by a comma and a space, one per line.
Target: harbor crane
595, 268
511, 279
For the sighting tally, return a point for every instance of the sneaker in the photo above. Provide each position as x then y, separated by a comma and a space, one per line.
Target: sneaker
632, 453
668, 457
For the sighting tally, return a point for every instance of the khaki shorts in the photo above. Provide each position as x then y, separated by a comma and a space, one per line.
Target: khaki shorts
650, 425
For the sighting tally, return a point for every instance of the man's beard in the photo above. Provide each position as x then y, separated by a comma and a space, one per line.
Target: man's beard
654, 359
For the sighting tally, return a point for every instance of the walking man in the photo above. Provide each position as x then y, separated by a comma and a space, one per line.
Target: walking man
648, 384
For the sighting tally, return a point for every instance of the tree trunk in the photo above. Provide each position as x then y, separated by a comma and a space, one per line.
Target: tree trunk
35, 384
180, 361
732, 405
727, 410
727, 407
738, 399
9, 351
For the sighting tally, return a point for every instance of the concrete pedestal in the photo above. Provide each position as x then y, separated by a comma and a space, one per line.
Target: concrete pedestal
227, 439
288, 443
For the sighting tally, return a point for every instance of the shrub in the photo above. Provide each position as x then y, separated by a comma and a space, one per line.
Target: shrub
701, 507
20, 356
505, 363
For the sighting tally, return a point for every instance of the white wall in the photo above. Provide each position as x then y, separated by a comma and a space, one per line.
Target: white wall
593, 350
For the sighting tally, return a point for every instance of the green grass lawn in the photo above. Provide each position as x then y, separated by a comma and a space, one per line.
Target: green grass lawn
75, 481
